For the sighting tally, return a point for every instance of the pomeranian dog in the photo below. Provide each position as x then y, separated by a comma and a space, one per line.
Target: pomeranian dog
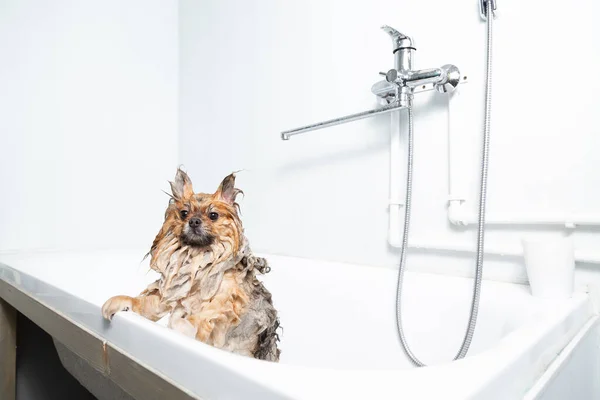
208, 281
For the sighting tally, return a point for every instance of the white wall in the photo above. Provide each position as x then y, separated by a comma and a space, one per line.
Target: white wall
250, 69
88, 126
89, 99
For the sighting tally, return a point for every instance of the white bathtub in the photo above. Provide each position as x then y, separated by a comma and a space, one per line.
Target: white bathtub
339, 336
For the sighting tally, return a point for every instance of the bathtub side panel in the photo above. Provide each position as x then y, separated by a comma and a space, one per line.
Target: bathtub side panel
579, 375
8, 350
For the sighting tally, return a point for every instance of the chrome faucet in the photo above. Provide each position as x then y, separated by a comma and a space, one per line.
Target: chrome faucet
444, 79
399, 86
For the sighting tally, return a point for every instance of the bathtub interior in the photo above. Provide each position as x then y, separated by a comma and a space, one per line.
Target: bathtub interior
333, 315
343, 316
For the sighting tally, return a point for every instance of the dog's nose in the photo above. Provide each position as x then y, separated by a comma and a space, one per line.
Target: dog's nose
195, 222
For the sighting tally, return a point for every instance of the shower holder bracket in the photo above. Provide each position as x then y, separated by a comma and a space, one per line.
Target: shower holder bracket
483, 9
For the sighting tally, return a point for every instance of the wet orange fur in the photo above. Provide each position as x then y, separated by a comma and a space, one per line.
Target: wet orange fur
215, 317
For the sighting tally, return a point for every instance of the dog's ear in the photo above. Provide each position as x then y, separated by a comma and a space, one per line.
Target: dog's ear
227, 191
182, 187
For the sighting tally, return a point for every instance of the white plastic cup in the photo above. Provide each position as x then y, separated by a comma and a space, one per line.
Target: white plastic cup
550, 265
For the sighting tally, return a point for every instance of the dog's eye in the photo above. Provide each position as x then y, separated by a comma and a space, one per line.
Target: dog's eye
213, 216
183, 213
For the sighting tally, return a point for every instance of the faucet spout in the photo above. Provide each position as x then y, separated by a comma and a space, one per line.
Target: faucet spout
286, 135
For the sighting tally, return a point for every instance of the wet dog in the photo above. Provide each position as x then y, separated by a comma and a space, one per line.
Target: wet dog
208, 273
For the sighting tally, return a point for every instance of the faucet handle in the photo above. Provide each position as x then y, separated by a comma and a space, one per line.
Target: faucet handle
399, 40
393, 32
451, 79
391, 76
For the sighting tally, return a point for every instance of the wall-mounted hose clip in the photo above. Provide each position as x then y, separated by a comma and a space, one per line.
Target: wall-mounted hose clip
483, 8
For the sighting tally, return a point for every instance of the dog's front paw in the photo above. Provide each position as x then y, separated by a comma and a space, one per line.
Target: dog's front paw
116, 304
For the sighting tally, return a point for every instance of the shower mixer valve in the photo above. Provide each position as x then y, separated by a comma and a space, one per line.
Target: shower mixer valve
401, 81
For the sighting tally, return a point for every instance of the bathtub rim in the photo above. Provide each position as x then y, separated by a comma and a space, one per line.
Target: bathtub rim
450, 373
90, 346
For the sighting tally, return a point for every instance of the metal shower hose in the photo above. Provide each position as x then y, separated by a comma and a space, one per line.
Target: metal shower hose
481, 222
